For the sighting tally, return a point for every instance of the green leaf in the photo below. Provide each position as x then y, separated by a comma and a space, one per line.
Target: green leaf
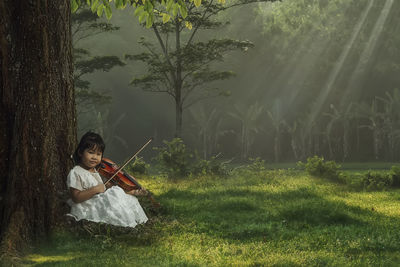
74, 5
183, 10
143, 16
139, 11
108, 12
166, 17
94, 5
169, 5
175, 10
197, 3
100, 9
149, 20
120, 4
148, 7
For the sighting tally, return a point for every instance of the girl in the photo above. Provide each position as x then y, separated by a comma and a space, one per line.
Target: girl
89, 198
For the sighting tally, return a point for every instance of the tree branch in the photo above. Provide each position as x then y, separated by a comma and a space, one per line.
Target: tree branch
197, 26
164, 50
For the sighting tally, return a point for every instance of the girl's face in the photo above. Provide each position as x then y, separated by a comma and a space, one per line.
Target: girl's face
90, 158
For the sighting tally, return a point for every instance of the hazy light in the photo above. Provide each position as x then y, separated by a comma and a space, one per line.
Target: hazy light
368, 50
338, 66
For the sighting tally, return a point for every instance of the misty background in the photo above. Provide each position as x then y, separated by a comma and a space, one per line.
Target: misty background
321, 79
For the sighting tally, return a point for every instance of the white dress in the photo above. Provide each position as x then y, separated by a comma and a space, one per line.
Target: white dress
113, 206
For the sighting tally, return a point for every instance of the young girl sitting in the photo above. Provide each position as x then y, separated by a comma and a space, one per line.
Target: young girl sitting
89, 198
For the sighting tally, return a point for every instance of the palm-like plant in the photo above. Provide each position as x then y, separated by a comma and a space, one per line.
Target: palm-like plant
344, 118
375, 120
277, 121
292, 130
249, 118
208, 126
391, 119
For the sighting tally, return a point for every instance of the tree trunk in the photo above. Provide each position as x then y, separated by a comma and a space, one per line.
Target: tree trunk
346, 143
328, 138
178, 119
377, 143
277, 145
37, 117
358, 139
178, 82
205, 144
293, 145
243, 141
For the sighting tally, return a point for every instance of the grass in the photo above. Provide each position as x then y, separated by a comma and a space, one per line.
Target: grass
354, 166
267, 218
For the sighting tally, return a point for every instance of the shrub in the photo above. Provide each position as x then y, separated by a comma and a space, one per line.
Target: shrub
138, 166
317, 166
173, 158
212, 167
374, 180
354, 180
371, 180
256, 164
395, 173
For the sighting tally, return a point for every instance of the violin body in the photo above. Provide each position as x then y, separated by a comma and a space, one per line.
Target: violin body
122, 179
127, 182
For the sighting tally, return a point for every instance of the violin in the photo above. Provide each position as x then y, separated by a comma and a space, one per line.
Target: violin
113, 173
110, 170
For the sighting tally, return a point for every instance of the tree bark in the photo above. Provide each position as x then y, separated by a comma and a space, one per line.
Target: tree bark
37, 118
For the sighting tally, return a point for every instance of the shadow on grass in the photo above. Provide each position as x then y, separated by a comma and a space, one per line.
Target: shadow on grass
244, 215
239, 214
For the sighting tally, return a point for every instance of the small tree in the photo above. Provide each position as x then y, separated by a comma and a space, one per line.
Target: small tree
86, 25
181, 66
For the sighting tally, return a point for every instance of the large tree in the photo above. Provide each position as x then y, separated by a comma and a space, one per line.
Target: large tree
37, 117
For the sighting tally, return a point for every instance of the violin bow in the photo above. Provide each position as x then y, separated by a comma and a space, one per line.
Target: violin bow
129, 160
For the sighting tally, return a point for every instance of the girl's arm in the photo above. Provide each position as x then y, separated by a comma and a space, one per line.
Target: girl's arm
80, 196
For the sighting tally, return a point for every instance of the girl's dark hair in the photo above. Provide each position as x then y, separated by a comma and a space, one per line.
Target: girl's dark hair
89, 140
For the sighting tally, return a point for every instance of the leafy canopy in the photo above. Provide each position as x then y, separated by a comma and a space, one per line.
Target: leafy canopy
145, 10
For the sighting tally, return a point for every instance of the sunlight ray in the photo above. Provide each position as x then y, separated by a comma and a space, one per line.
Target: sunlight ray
291, 80
338, 66
353, 86
291, 72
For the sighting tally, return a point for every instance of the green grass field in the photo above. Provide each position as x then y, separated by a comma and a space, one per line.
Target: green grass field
268, 218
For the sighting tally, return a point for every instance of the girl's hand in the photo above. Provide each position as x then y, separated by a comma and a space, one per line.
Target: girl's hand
100, 188
79, 196
138, 192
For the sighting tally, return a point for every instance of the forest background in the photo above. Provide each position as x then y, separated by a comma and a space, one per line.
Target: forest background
320, 80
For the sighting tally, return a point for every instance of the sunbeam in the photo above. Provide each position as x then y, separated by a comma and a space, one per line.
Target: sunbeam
338, 66
353, 88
